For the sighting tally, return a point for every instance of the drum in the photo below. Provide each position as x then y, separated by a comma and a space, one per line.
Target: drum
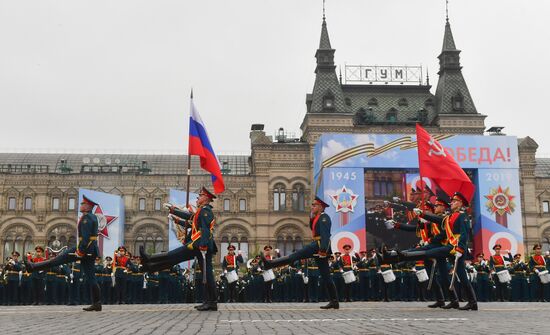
232, 276
349, 277
268, 275
504, 276
422, 275
388, 276
544, 277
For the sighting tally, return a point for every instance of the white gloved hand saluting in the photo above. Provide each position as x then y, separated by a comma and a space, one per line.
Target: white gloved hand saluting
417, 211
396, 199
167, 205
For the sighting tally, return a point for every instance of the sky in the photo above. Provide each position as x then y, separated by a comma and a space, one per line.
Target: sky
115, 76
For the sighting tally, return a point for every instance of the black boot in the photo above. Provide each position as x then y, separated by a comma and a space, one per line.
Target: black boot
472, 300
212, 302
55, 261
470, 305
96, 300
437, 304
270, 264
333, 295
453, 304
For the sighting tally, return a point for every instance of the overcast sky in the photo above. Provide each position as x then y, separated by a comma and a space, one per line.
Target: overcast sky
115, 75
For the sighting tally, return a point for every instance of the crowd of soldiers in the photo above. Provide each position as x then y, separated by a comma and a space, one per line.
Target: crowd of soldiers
123, 282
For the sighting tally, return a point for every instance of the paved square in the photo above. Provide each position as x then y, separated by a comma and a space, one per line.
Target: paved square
277, 318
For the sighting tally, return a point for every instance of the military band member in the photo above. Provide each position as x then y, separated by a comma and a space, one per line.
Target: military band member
37, 277
348, 264
12, 270
231, 263
537, 264
320, 225
201, 242
86, 250
520, 286
496, 264
482, 287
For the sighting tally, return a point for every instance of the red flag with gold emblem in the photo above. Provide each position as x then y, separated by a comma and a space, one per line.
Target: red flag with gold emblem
438, 164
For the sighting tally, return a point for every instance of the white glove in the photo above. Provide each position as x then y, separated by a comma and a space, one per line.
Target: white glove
458, 254
417, 211
537, 271
386, 203
71, 275
390, 224
277, 250
173, 217
167, 205
396, 199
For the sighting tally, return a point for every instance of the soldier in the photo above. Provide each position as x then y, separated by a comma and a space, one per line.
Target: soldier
231, 263
201, 246
537, 264
496, 264
268, 285
121, 265
348, 264
87, 250
520, 286
38, 277
12, 270
481, 267
320, 225
373, 293
452, 241
336, 269
75, 283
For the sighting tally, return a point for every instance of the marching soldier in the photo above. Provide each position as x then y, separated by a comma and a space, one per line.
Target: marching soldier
451, 241
231, 263
320, 248
201, 246
87, 250
496, 264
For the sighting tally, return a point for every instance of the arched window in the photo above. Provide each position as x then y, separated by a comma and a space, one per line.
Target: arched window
288, 240
298, 198
17, 238
151, 238
328, 101
383, 187
279, 198
281, 245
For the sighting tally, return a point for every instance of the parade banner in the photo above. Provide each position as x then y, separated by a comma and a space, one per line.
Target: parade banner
491, 160
110, 217
344, 191
176, 233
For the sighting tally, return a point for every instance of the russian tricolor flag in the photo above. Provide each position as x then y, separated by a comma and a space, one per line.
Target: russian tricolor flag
199, 145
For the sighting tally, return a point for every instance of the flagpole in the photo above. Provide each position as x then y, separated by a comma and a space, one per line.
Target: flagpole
419, 171
188, 166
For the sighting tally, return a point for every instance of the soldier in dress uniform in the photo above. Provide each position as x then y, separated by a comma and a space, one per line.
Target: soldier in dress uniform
373, 293
268, 285
75, 282
348, 264
87, 250
107, 276
201, 243
537, 263
231, 263
363, 273
38, 277
336, 269
481, 267
121, 264
320, 225
12, 272
496, 264
520, 286
452, 241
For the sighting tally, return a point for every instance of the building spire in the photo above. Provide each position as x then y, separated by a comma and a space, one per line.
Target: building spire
323, 10
446, 10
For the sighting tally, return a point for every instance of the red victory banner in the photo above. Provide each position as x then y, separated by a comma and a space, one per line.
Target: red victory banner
438, 164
